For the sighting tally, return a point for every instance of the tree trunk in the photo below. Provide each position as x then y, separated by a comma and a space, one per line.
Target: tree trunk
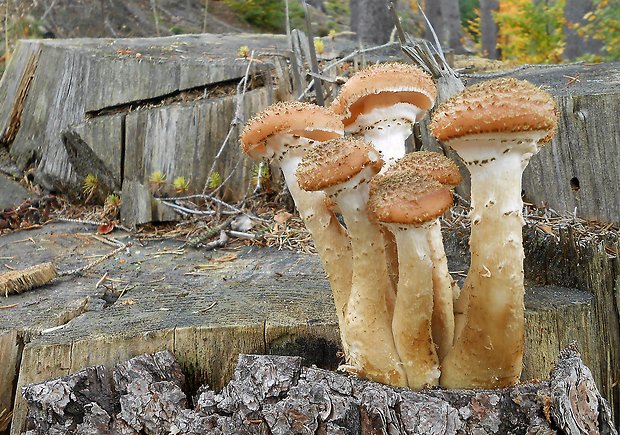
276, 395
488, 28
451, 15
371, 20
445, 17
577, 45
433, 13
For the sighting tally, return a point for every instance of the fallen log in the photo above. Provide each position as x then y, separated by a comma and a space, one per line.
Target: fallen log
277, 395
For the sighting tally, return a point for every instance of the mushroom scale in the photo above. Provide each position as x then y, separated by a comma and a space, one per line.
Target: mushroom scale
348, 164
496, 127
283, 133
408, 204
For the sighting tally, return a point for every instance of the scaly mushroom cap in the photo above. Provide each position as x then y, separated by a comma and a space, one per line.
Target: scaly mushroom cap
438, 166
383, 85
336, 161
503, 105
407, 198
291, 117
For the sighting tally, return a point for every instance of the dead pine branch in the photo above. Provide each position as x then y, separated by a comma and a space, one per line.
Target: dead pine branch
209, 233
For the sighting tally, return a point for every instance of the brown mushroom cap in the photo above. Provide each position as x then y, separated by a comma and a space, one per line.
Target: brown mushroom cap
383, 85
438, 166
291, 117
336, 161
407, 198
503, 105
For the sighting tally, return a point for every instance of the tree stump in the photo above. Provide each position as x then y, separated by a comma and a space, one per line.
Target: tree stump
263, 301
277, 395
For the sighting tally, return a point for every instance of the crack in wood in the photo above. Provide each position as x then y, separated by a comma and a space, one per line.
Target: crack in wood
10, 132
197, 93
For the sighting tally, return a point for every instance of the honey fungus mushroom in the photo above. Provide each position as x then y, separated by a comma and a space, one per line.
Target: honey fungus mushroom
445, 289
409, 204
496, 127
342, 168
382, 102
283, 133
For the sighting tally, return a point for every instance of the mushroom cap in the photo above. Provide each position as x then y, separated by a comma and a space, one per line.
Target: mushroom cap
336, 161
383, 85
505, 105
438, 166
407, 198
291, 117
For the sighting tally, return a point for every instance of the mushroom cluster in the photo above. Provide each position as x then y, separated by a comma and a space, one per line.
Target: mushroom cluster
403, 320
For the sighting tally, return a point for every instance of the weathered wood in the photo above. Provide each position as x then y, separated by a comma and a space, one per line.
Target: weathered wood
584, 263
183, 140
266, 301
277, 395
9, 349
85, 86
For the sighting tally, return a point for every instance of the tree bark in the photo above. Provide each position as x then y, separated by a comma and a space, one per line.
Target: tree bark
371, 20
488, 28
276, 395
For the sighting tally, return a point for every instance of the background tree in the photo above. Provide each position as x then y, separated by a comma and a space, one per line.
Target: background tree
488, 28
371, 20
445, 17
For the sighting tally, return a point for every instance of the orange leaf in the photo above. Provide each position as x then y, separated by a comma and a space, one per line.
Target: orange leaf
105, 228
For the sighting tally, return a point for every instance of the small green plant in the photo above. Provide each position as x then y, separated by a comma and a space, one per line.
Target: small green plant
180, 184
90, 186
244, 51
112, 205
261, 176
332, 34
157, 181
319, 46
214, 181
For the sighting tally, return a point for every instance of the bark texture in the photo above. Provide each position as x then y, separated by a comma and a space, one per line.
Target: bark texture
277, 395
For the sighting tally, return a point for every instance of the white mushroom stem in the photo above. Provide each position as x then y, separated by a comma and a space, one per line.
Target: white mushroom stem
411, 325
368, 324
488, 350
443, 293
330, 238
387, 129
